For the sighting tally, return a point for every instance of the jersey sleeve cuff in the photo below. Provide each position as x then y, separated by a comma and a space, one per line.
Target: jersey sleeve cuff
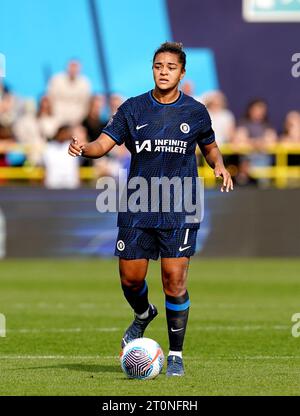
118, 141
207, 137
209, 140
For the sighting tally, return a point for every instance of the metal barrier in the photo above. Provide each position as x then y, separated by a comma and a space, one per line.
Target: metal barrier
280, 173
37, 173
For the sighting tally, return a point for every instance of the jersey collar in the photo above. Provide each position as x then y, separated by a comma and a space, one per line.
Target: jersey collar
168, 104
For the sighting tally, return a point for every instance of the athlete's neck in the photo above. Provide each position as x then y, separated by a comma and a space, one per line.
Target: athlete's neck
165, 97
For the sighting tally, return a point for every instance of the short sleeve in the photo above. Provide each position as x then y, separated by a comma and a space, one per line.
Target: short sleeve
206, 133
117, 127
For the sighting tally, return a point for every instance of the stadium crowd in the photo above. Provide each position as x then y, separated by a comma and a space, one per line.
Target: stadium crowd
39, 135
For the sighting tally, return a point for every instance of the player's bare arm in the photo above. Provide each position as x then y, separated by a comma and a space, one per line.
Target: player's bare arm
214, 158
93, 150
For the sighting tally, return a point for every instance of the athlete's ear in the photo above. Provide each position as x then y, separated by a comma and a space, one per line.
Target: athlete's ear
182, 73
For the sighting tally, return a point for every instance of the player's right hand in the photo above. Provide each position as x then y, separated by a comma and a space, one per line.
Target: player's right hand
75, 148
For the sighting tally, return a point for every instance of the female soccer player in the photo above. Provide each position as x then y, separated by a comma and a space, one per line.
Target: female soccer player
161, 129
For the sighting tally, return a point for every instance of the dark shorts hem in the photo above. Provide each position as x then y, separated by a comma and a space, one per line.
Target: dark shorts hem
136, 243
163, 256
136, 257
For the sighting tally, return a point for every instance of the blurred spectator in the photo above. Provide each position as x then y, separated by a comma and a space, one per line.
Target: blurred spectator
69, 94
187, 87
114, 102
291, 135
243, 176
254, 130
27, 132
291, 131
62, 171
222, 119
8, 106
119, 157
33, 129
7, 137
48, 123
92, 122
256, 133
3, 89
10, 154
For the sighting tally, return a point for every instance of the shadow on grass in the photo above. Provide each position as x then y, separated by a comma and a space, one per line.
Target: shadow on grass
92, 368
89, 368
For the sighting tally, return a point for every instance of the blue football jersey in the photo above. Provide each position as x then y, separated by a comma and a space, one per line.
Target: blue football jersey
162, 140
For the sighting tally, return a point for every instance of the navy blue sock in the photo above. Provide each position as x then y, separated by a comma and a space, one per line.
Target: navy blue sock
177, 312
137, 297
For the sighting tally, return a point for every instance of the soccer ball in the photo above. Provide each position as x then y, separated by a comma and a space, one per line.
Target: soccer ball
142, 359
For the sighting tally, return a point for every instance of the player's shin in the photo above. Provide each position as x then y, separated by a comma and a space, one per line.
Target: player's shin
137, 297
177, 312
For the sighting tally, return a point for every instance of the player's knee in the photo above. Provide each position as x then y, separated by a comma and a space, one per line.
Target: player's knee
175, 292
132, 282
131, 275
174, 285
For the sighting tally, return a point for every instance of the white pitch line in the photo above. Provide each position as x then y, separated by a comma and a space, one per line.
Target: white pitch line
115, 329
269, 357
240, 327
56, 357
113, 357
61, 330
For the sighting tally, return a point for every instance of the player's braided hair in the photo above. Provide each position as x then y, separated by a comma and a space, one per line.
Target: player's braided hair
172, 47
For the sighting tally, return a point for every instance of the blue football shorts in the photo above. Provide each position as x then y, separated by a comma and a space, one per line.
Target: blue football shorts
150, 243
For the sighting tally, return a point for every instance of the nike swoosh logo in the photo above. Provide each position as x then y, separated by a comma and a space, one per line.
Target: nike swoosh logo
140, 127
176, 330
183, 248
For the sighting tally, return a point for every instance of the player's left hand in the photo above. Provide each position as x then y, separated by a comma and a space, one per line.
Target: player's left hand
221, 172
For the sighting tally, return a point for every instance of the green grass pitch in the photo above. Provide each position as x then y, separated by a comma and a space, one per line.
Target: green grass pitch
65, 320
